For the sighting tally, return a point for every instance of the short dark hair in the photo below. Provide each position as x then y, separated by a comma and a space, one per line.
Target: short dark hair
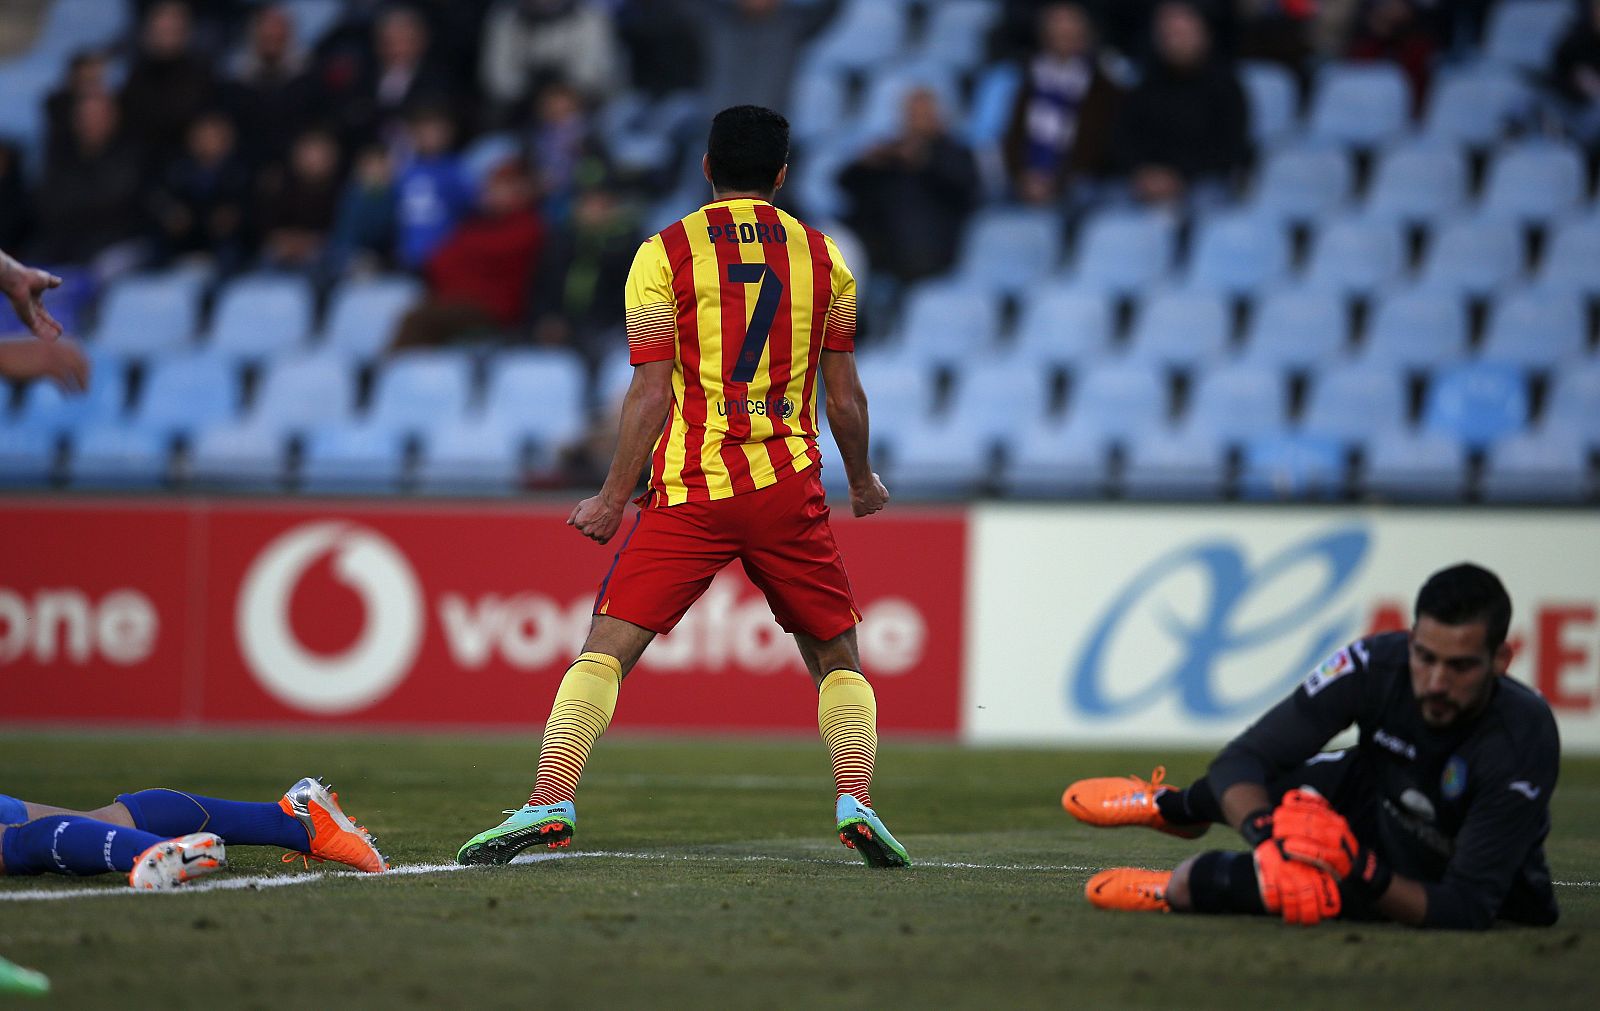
748, 147
1464, 594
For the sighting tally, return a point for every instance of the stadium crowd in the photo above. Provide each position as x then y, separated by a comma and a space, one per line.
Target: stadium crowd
510, 154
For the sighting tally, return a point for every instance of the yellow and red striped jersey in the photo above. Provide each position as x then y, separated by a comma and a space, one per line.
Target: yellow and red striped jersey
743, 297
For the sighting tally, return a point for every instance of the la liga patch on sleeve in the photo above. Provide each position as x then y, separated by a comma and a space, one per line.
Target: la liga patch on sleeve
1331, 670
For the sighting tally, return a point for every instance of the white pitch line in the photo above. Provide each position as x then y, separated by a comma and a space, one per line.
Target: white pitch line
257, 882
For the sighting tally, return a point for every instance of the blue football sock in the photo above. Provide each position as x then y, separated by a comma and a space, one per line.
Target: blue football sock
73, 844
12, 811
173, 813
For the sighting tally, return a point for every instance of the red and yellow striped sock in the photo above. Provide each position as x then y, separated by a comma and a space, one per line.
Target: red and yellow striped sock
847, 715
582, 711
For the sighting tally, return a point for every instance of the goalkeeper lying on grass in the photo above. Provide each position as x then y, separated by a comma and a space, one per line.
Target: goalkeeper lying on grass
163, 838
1437, 818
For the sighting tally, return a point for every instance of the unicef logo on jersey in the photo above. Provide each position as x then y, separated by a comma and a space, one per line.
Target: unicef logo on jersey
1234, 637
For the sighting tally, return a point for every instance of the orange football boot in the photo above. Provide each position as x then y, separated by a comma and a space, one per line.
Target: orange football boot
333, 835
1130, 888
1111, 801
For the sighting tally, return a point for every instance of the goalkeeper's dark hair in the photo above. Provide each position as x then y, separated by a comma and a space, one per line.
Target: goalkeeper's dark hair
748, 147
1464, 594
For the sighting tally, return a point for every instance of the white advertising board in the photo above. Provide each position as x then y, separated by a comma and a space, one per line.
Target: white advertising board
1106, 626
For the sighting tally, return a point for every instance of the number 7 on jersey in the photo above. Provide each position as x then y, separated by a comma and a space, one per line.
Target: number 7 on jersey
755, 336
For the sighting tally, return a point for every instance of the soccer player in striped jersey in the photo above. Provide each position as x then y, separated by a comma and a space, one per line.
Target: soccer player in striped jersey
733, 315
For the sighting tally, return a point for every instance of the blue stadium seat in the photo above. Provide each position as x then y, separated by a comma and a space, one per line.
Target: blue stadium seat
1301, 184
1521, 34
185, 394
313, 19
1360, 104
1416, 330
1187, 464
612, 381
262, 315
1475, 108
949, 323
899, 391
864, 35
479, 455
957, 33
818, 104
1537, 182
46, 408
1351, 402
1010, 250
26, 83
539, 394
994, 398
1238, 254
994, 96
1404, 465
1063, 326
1180, 329
1053, 460
117, 456
1355, 257
1298, 329
1124, 252
1544, 465
27, 456
295, 394
1477, 403
239, 456
1474, 257
1537, 329
363, 314
1237, 402
1574, 401
149, 314
489, 152
1418, 184
1274, 100
1117, 401
939, 460
1292, 466
352, 458
419, 390
1571, 260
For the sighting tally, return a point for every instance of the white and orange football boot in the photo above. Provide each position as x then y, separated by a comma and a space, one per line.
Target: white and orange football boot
172, 862
1129, 888
333, 835
1113, 801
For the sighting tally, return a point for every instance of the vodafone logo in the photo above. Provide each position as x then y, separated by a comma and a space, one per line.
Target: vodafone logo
391, 631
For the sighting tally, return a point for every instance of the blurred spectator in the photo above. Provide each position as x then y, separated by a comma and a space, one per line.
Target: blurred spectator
88, 73
271, 94
732, 30
479, 278
1184, 129
88, 201
297, 205
16, 216
1278, 31
364, 229
584, 265
168, 84
1395, 31
663, 42
911, 194
1062, 120
372, 95
562, 147
1576, 74
432, 190
203, 197
529, 42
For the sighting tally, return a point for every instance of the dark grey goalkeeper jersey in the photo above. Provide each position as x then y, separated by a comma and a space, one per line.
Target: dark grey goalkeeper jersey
1465, 810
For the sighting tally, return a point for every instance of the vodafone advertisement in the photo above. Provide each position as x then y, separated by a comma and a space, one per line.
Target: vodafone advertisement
435, 614
1171, 625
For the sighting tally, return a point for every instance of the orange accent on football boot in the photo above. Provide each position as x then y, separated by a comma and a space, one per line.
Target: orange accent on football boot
333, 835
1129, 888
1113, 801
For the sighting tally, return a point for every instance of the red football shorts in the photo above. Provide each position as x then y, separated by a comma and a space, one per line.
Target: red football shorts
779, 532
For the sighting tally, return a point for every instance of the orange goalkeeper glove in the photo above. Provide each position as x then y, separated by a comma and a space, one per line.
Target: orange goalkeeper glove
1300, 893
1308, 830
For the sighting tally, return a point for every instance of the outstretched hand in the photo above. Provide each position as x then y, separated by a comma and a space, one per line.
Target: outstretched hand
24, 288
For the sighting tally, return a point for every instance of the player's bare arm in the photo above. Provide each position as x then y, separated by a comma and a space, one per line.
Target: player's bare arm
847, 416
24, 288
644, 412
59, 361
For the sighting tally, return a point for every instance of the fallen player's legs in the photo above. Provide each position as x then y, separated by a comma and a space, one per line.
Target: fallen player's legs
171, 813
75, 845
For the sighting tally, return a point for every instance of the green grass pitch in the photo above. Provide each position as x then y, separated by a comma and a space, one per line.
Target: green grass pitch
706, 874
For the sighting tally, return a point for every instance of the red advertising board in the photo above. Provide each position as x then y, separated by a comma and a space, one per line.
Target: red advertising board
442, 614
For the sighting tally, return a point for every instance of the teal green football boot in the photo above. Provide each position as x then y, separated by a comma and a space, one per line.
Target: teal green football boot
862, 830
551, 825
15, 979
